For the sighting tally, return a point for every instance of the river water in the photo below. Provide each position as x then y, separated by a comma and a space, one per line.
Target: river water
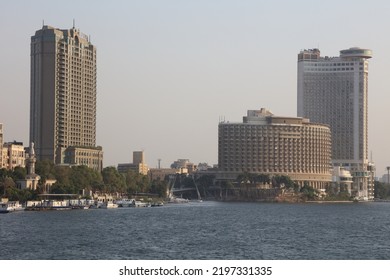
208, 230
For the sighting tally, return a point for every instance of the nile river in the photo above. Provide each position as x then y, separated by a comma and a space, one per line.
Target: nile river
208, 230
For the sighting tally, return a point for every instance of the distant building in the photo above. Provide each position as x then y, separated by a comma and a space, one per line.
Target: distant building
334, 91
343, 178
184, 164
63, 95
268, 144
203, 166
385, 178
138, 157
13, 155
161, 173
1, 145
89, 156
138, 165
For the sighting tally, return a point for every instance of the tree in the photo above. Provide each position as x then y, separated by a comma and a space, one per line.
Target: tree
19, 173
263, 178
282, 181
245, 179
159, 187
45, 169
7, 184
381, 190
204, 182
226, 185
308, 192
113, 180
136, 182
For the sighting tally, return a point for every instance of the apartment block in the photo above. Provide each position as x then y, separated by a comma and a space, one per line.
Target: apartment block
63, 93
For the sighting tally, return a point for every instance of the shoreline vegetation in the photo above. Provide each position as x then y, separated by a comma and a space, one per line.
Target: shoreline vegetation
247, 187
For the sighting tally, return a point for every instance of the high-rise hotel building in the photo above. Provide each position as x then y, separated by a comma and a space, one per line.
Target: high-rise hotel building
334, 91
63, 97
273, 145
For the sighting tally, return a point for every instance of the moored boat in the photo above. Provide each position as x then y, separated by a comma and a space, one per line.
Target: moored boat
10, 206
109, 205
157, 204
142, 204
125, 202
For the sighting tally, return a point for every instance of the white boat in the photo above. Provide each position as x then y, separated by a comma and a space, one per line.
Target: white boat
125, 202
109, 205
3, 207
142, 204
178, 200
157, 204
10, 206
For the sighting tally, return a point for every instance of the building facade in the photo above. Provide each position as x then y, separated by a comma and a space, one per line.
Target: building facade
63, 92
13, 155
138, 165
334, 91
89, 156
267, 144
1, 145
185, 165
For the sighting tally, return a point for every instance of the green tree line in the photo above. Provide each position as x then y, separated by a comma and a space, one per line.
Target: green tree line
75, 179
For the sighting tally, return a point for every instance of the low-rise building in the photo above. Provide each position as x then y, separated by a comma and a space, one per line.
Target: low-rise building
161, 173
13, 155
89, 156
184, 164
342, 178
138, 165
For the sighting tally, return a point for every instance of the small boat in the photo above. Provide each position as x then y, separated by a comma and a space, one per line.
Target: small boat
109, 205
142, 204
157, 204
4, 207
10, 206
178, 200
125, 202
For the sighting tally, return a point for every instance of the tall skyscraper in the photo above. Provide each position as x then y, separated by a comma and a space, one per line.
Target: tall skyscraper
63, 95
334, 91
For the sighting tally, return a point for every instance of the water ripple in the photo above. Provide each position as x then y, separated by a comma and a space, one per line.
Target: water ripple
209, 230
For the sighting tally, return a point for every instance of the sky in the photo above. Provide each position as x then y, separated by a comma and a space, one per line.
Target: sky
169, 70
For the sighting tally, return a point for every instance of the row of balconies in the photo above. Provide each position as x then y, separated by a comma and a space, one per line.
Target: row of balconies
265, 159
275, 170
273, 151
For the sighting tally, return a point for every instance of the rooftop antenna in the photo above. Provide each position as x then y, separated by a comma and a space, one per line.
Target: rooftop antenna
43, 23
73, 23
159, 163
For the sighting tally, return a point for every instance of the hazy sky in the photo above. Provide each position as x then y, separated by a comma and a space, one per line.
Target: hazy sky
168, 69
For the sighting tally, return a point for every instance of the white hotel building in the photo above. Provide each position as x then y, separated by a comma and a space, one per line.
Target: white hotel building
334, 91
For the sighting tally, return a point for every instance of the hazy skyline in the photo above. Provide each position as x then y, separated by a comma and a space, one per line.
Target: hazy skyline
167, 70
